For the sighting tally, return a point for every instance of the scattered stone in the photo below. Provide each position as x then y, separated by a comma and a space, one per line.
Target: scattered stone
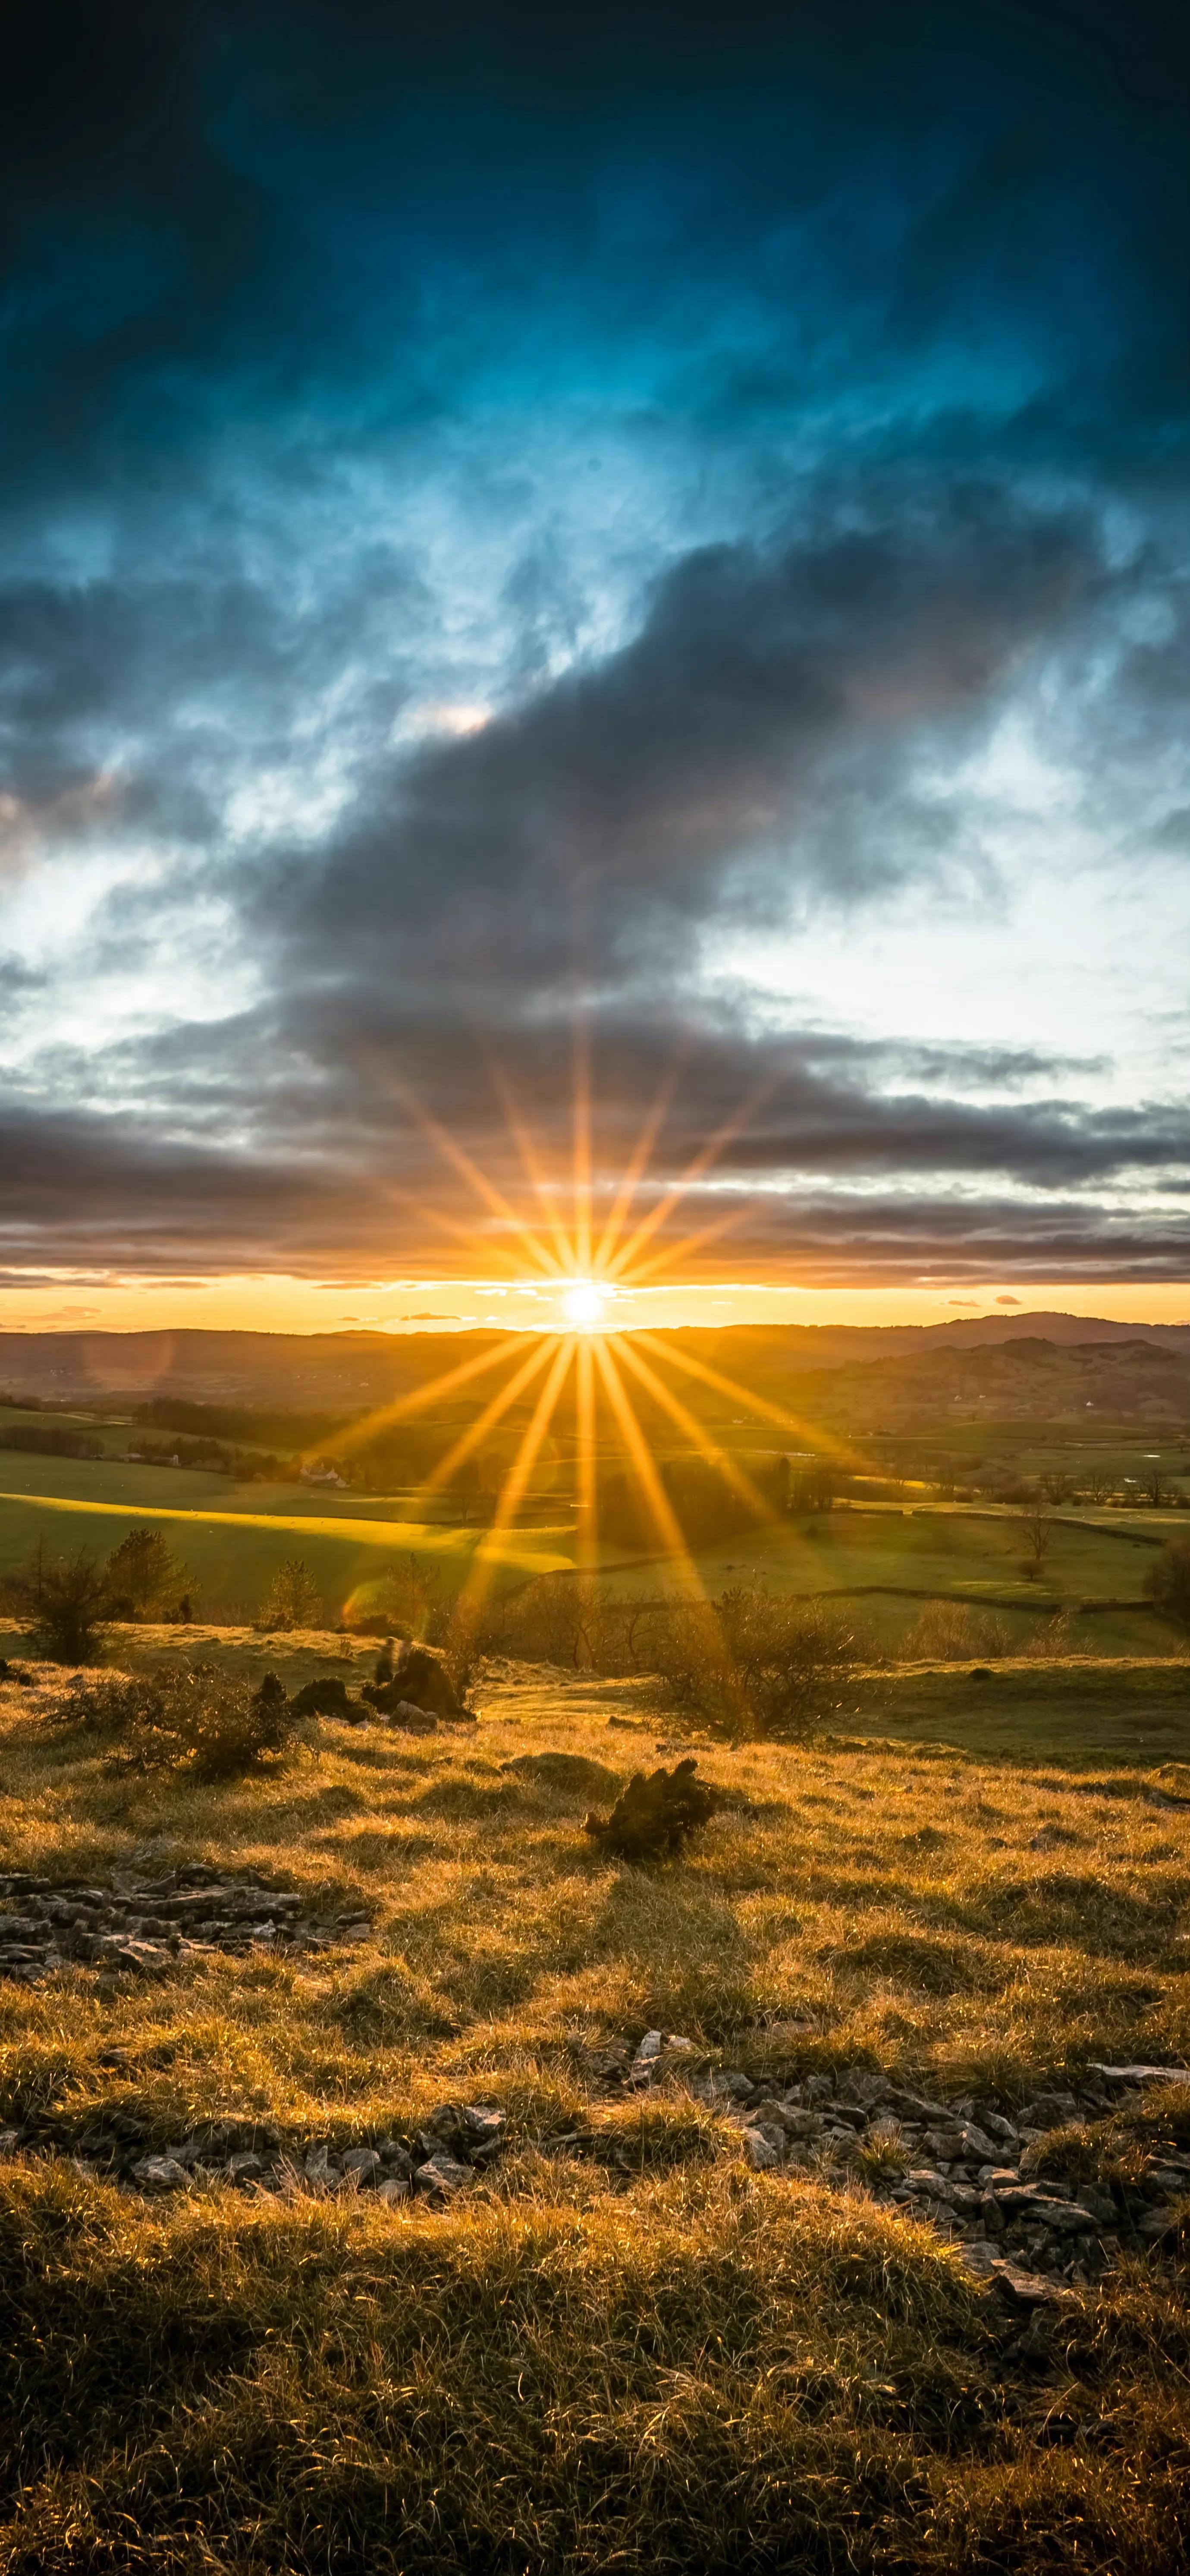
147, 1927
363, 2162
441, 2176
1031, 2200
326, 1698
1027, 2289
654, 1816
159, 2173
1050, 2111
1143, 2074
764, 2145
420, 1681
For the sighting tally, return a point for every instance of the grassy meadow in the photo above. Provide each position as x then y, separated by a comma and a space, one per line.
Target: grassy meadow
884, 1561
653, 2357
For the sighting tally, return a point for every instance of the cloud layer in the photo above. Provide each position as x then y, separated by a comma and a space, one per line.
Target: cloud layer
665, 560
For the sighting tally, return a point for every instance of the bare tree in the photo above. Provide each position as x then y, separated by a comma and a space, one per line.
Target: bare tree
1037, 1532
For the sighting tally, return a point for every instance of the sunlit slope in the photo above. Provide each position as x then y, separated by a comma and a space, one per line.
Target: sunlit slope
233, 1538
886, 1560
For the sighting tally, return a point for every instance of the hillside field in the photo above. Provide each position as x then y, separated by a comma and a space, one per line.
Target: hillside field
884, 1561
635, 2351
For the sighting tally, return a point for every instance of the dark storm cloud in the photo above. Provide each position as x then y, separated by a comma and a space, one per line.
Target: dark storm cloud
661, 770
877, 311
826, 1168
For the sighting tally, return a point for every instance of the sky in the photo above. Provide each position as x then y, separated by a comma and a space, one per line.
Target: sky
613, 576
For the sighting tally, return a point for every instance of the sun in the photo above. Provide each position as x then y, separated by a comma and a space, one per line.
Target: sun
583, 1306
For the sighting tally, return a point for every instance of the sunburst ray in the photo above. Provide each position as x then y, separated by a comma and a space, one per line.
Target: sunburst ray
825, 1441
483, 1563
665, 1519
447, 1382
716, 1456
582, 1145
702, 1161
635, 1166
542, 1188
469, 1440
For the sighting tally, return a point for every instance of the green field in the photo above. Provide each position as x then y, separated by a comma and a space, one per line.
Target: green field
885, 1561
232, 1538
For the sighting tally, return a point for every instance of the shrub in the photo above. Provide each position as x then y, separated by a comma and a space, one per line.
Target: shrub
143, 1576
411, 1600
1051, 1640
189, 1717
754, 1663
1167, 1584
63, 1601
293, 1599
951, 1632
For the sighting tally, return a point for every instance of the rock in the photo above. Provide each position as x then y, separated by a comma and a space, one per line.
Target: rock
978, 2147
441, 2176
467, 2128
945, 2145
909, 2106
421, 1680
247, 2167
363, 2162
979, 2257
574, 1772
1029, 2200
1144, 2074
801, 2124
764, 2146
395, 2189
1027, 2289
654, 1816
861, 2086
932, 2186
1050, 2111
650, 2047
327, 1698
159, 2173
1154, 2225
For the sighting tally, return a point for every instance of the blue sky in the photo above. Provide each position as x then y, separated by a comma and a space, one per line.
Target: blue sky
670, 524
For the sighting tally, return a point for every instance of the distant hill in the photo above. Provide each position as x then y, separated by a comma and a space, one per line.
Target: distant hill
1029, 1379
1015, 1364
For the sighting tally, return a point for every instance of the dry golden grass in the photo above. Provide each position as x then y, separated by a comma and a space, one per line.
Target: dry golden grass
681, 2366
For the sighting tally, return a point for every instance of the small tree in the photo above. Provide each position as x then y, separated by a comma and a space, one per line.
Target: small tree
293, 1599
1037, 1533
143, 1575
63, 1599
1168, 1584
412, 1599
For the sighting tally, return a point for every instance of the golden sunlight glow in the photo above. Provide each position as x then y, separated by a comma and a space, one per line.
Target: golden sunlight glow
580, 1269
584, 1306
